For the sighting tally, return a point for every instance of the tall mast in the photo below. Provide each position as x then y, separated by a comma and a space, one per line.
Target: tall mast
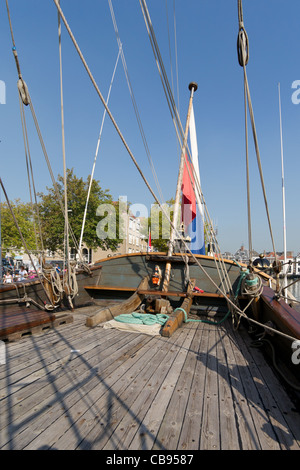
67, 254
192, 87
283, 190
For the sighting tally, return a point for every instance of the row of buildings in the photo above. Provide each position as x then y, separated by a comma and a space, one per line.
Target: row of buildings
135, 241
292, 262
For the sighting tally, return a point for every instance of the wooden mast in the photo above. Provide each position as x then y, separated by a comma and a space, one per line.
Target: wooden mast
192, 87
283, 195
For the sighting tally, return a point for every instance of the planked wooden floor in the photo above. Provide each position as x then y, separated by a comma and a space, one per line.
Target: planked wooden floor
203, 388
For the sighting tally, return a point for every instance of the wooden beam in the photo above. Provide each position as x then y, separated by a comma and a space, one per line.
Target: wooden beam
176, 319
128, 306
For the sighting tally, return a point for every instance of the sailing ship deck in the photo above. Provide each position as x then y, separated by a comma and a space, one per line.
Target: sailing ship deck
204, 388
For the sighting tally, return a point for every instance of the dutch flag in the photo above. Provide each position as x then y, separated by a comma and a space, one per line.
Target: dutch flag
192, 209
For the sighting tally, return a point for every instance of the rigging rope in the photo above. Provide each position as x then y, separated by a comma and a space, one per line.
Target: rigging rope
169, 44
35, 209
96, 153
176, 55
23, 240
237, 310
175, 115
230, 302
134, 101
66, 231
23, 90
24, 98
78, 50
55, 186
243, 57
162, 72
102, 99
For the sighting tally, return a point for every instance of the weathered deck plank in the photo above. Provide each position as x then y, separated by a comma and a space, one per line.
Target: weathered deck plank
143, 400
209, 438
278, 410
185, 401
121, 395
147, 433
229, 435
254, 411
203, 388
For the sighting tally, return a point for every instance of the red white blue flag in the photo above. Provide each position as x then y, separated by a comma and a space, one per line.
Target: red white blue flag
192, 209
149, 248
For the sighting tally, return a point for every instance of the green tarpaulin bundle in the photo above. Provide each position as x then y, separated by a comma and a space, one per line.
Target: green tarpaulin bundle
142, 318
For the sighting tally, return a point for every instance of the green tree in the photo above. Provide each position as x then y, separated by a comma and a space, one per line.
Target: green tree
160, 226
10, 236
52, 216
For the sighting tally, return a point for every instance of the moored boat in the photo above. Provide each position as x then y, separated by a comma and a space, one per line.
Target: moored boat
123, 284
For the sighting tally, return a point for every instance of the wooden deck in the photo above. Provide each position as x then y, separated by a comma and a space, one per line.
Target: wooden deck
73, 387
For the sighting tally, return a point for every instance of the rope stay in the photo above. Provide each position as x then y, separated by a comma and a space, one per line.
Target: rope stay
230, 301
162, 72
28, 101
135, 107
128, 149
178, 128
30, 177
96, 155
170, 53
111, 116
66, 216
22, 238
243, 58
252, 287
25, 99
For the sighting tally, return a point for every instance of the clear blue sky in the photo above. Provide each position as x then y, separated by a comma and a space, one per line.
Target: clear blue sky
206, 45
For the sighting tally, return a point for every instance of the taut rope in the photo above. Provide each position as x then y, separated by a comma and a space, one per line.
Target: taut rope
243, 57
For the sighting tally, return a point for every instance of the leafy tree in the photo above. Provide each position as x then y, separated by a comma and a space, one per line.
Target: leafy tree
160, 226
52, 215
10, 236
